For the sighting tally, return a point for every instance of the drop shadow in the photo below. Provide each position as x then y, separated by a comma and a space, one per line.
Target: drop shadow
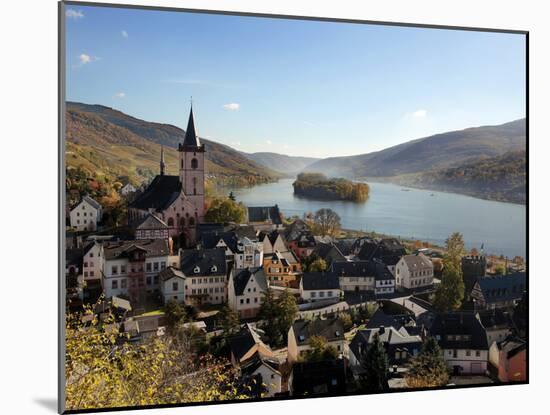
48, 403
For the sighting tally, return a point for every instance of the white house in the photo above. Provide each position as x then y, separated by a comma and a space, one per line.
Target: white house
302, 330
93, 259
127, 189
463, 341
86, 214
318, 286
250, 254
246, 288
206, 275
414, 271
172, 285
355, 275
266, 370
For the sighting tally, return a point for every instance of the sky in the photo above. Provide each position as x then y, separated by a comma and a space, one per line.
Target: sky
307, 88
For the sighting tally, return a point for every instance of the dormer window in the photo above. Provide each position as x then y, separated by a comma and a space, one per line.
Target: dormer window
196, 270
214, 268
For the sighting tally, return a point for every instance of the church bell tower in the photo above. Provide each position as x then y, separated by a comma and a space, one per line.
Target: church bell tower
191, 170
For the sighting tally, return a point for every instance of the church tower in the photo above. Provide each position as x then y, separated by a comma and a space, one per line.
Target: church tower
191, 168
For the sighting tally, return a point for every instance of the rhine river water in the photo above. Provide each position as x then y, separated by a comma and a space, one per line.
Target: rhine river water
410, 213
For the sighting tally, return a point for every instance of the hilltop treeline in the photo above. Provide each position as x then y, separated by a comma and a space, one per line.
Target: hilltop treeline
319, 186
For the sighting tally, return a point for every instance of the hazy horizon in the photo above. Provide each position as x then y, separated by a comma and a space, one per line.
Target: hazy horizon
302, 88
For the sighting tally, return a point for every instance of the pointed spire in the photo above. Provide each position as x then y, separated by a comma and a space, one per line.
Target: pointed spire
191, 137
162, 165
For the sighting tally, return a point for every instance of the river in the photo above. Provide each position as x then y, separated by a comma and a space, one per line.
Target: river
410, 213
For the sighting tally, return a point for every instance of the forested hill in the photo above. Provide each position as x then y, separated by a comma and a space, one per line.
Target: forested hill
435, 152
500, 178
108, 142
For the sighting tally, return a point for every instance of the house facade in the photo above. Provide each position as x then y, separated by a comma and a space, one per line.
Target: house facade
131, 268
320, 286
172, 283
206, 275
508, 358
499, 291
86, 215
246, 289
414, 272
152, 227
463, 341
302, 330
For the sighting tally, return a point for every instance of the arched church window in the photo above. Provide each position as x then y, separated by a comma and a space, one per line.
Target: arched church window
194, 163
182, 222
170, 222
191, 221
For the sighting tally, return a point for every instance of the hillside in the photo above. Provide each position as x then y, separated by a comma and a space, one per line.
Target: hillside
425, 154
280, 162
109, 142
500, 178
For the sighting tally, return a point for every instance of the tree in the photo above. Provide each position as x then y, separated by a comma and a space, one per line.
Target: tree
225, 210
326, 222
428, 369
450, 293
347, 320
499, 269
375, 367
104, 370
278, 315
320, 350
174, 315
318, 265
288, 309
230, 322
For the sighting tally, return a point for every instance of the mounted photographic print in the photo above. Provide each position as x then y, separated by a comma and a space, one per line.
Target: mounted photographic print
261, 207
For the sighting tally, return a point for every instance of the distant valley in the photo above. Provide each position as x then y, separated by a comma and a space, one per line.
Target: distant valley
487, 162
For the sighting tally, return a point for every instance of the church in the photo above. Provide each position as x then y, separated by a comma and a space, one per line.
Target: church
177, 200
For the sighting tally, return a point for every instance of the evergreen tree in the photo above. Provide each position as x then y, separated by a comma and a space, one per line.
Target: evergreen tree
428, 369
375, 367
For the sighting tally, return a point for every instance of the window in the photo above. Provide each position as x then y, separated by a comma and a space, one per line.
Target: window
123, 269
313, 294
194, 163
91, 273
91, 254
174, 286
123, 283
242, 301
156, 279
148, 267
114, 270
248, 301
114, 284
156, 266
478, 353
170, 222
329, 294
468, 353
162, 266
148, 280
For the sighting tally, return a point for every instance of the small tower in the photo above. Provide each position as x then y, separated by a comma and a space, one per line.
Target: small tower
191, 168
162, 165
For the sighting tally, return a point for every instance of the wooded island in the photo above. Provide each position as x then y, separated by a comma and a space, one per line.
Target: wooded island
319, 186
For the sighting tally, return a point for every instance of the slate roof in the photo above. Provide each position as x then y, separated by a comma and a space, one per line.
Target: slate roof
380, 318
502, 287
245, 231
74, 257
171, 272
496, 319
320, 281
417, 262
264, 214
278, 257
467, 325
272, 236
205, 259
210, 240
241, 278
152, 222
388, 250
243, 341
293, 230
512, 346
345, 246
191, 138
388, 335
354, 268
331, 329
160, 194
325, 251
249, 366
120, 249
327, 377
92, 202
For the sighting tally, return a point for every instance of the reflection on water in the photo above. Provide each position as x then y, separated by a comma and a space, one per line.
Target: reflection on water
420, 214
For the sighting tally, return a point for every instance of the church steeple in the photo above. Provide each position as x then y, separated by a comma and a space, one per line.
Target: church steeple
191, 138
162, 165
